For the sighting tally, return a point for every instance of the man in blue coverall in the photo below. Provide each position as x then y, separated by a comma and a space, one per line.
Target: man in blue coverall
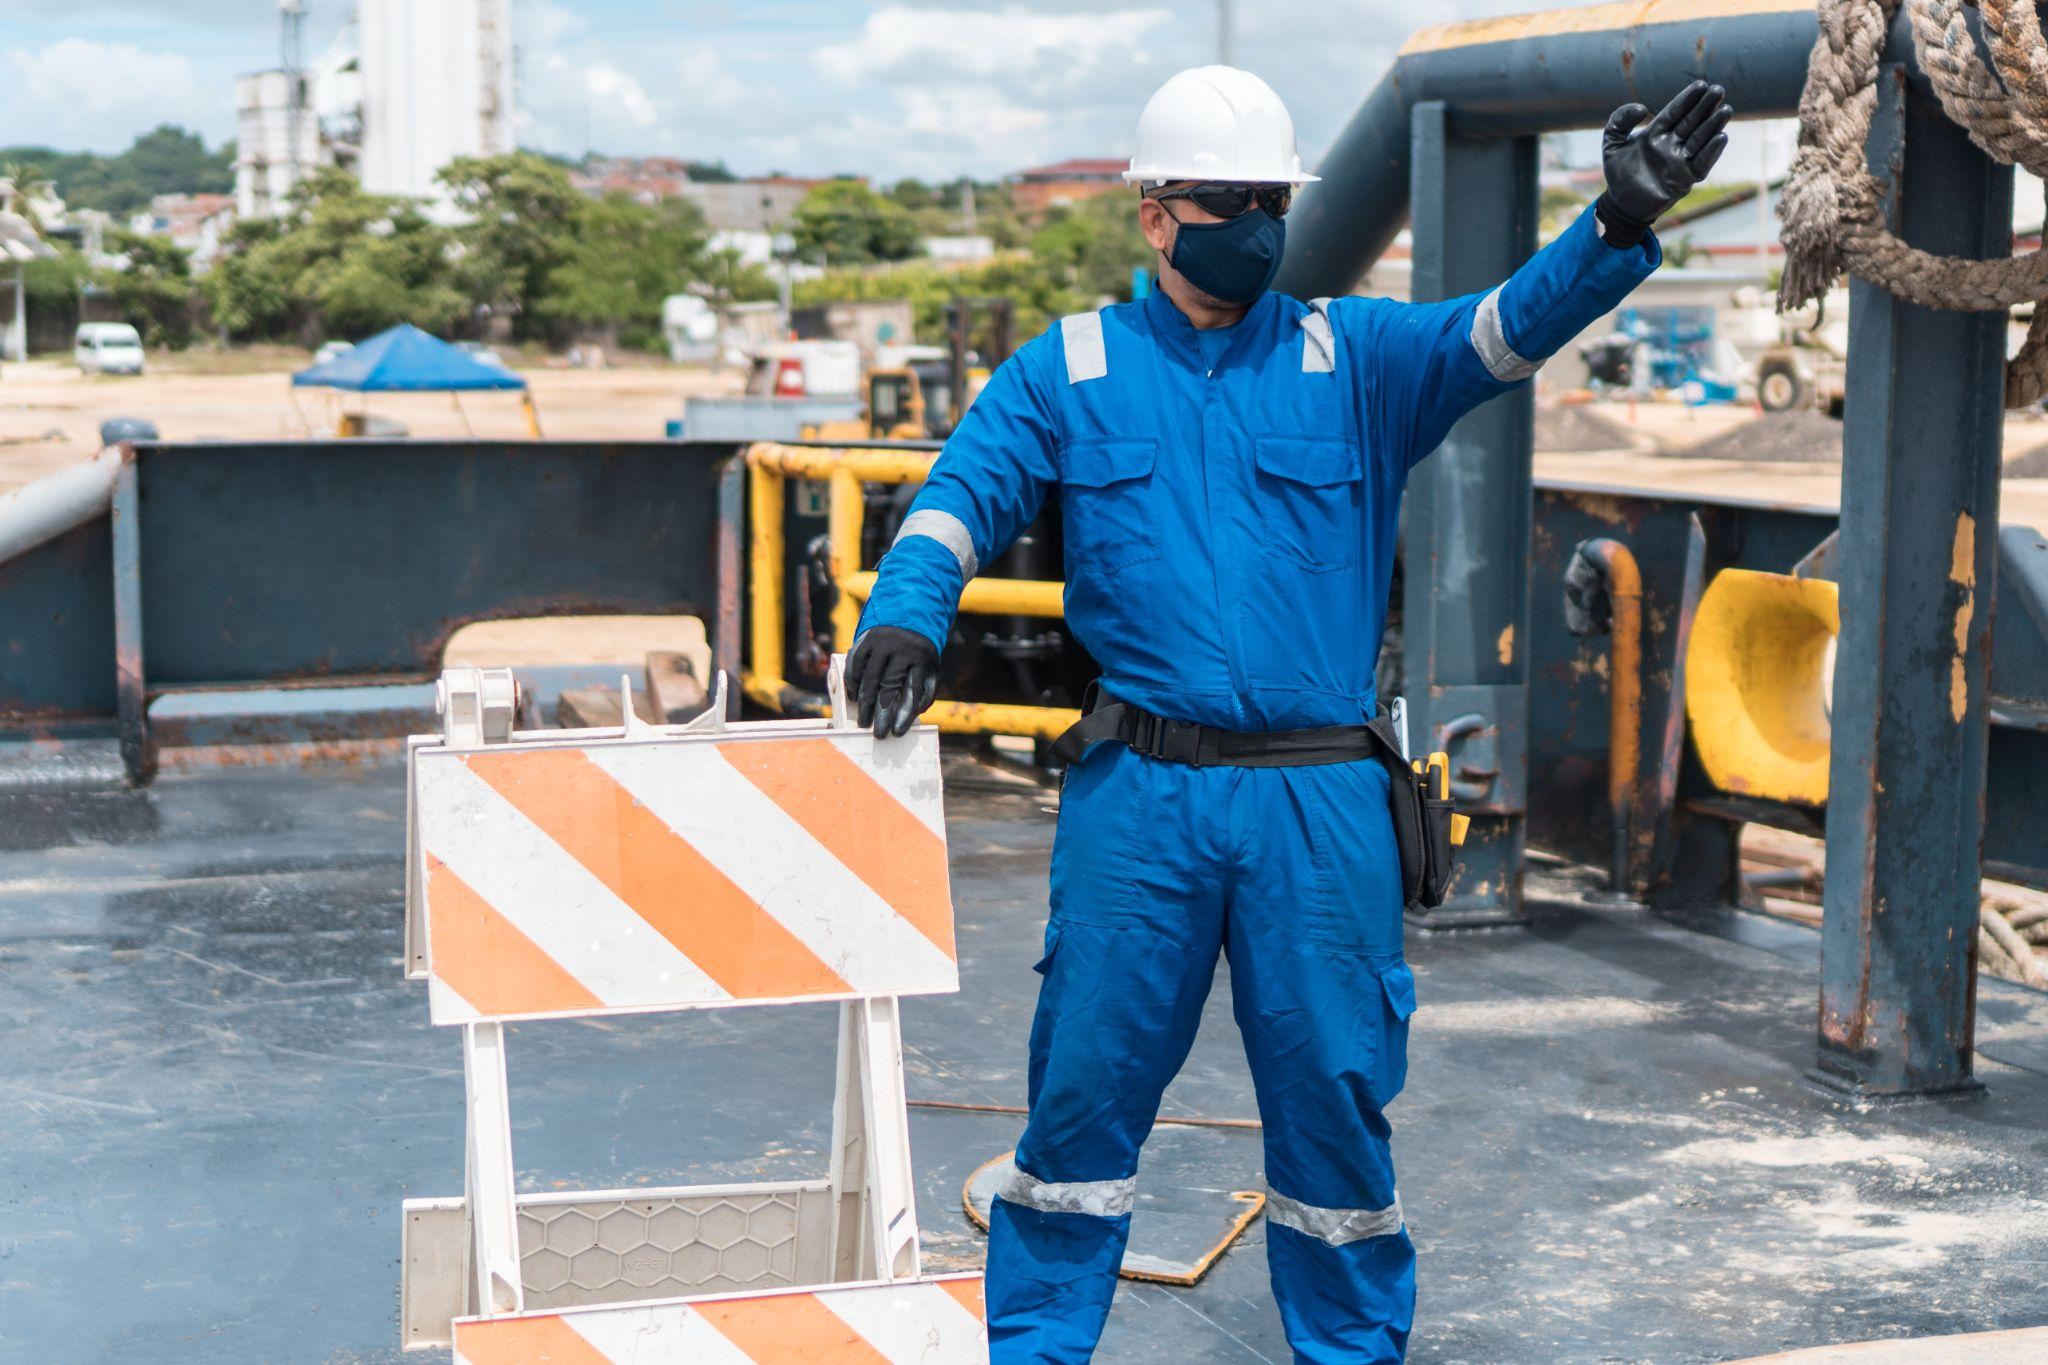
1229, 464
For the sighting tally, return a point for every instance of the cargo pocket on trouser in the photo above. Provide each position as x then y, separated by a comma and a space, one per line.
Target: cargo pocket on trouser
1047, 1014
1397, 991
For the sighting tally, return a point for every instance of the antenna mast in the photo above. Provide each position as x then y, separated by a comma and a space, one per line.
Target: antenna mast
291, 16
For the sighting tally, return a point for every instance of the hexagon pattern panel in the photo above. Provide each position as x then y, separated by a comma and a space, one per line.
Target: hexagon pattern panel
612, 1250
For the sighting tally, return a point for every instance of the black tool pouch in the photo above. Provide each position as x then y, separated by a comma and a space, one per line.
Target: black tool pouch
1422, 827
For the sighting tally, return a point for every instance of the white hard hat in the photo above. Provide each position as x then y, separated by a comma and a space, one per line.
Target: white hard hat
1216, 123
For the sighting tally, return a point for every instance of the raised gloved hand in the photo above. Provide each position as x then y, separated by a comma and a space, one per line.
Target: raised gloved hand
891, 677
1652, 168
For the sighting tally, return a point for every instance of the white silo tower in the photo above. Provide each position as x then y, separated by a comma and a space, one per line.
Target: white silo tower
436, 84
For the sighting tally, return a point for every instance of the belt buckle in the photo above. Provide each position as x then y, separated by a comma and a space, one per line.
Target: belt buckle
1179, 741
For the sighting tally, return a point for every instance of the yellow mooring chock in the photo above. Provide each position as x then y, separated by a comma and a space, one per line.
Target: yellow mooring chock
1759, 683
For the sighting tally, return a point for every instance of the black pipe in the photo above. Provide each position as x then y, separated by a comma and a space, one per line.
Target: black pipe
1515, 77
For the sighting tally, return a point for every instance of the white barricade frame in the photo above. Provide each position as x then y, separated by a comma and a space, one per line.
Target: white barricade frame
566, 828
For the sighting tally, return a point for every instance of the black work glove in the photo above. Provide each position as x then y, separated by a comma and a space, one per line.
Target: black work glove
1650, 169
891, 677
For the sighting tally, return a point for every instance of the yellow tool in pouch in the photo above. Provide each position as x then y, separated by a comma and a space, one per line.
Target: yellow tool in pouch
1427, 829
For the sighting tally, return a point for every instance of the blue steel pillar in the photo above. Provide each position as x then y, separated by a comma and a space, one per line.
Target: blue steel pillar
1465, 527
1905, 821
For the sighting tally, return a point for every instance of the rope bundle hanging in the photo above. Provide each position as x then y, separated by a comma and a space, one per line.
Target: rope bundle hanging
1831, 205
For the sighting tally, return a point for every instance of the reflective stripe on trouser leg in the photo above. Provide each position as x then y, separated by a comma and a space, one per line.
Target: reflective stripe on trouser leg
1102, 1198
1333, 1227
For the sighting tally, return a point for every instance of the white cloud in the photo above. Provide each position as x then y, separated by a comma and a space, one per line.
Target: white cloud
606, 83
949, 110
77, 92
706, 83
542, 25
969, 43
947, 89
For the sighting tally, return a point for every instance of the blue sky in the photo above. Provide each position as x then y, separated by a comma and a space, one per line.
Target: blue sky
932, 88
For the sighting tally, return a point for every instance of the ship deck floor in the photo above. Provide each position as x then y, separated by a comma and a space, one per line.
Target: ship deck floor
217, 1090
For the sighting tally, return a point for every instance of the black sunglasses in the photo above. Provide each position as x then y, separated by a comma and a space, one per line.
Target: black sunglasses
1228, 201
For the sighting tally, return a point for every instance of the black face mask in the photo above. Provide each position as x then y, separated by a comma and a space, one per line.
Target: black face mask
1232, 261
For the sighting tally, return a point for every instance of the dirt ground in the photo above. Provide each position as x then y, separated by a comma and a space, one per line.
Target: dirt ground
50, 413
50, 416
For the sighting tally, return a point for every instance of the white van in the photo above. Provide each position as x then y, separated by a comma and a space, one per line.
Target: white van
108, 348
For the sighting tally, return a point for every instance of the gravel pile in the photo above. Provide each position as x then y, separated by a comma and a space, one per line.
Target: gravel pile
1801, 436
1574, 426
2033, 464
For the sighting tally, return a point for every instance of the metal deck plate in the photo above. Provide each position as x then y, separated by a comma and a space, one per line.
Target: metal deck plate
218, 1088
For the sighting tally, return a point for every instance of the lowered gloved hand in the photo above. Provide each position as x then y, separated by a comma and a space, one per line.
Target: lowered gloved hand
1650, 169
891, 677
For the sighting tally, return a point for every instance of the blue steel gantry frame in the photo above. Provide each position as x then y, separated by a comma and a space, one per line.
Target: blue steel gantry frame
1451, 130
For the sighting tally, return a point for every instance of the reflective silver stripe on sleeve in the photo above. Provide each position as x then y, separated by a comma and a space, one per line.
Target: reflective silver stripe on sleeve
1101, 1198
1334, 1226
1318, 343
1086, 358
946, 529
1492, 344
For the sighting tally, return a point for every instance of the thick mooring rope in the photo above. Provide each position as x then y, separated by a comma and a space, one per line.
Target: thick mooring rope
1831, 203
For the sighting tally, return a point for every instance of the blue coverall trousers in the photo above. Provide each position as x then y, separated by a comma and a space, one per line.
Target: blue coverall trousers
1292, 874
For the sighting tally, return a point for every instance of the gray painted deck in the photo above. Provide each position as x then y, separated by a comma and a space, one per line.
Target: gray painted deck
217, 1090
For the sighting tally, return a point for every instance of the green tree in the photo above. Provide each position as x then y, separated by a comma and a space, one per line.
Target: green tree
1036, 293
523, 217
165, 160
155, 292
913, 195
341, 263
1095, 244
849, 224
54, 286
624, 259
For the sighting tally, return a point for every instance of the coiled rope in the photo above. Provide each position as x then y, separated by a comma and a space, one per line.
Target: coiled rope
1831, 205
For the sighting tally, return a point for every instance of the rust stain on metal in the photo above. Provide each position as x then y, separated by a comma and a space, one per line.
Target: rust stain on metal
1962, 572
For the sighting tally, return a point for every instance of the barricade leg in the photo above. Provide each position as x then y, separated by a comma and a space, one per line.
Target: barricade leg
852, 1250
874, 1233
493, 1214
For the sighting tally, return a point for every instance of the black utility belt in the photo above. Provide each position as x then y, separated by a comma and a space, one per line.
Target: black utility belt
1420, 796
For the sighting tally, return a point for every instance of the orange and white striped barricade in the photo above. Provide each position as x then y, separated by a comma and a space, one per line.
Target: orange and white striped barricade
557, 874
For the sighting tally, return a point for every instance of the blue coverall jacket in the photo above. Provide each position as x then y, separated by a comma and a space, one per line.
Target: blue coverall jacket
1230, 535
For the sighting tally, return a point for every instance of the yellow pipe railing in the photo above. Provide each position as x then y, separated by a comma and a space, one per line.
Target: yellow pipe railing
845, 471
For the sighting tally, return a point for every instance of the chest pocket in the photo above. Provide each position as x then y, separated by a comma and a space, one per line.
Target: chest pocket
1309, 490
1108, 502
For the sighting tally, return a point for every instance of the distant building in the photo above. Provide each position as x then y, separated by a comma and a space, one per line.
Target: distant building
761, 204
960, 250
20, 243
647, 180
412, 85
197, 222
437, 84
1041, 189
277, 140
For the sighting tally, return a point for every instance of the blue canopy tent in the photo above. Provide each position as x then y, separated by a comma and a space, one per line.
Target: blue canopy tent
407, 360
